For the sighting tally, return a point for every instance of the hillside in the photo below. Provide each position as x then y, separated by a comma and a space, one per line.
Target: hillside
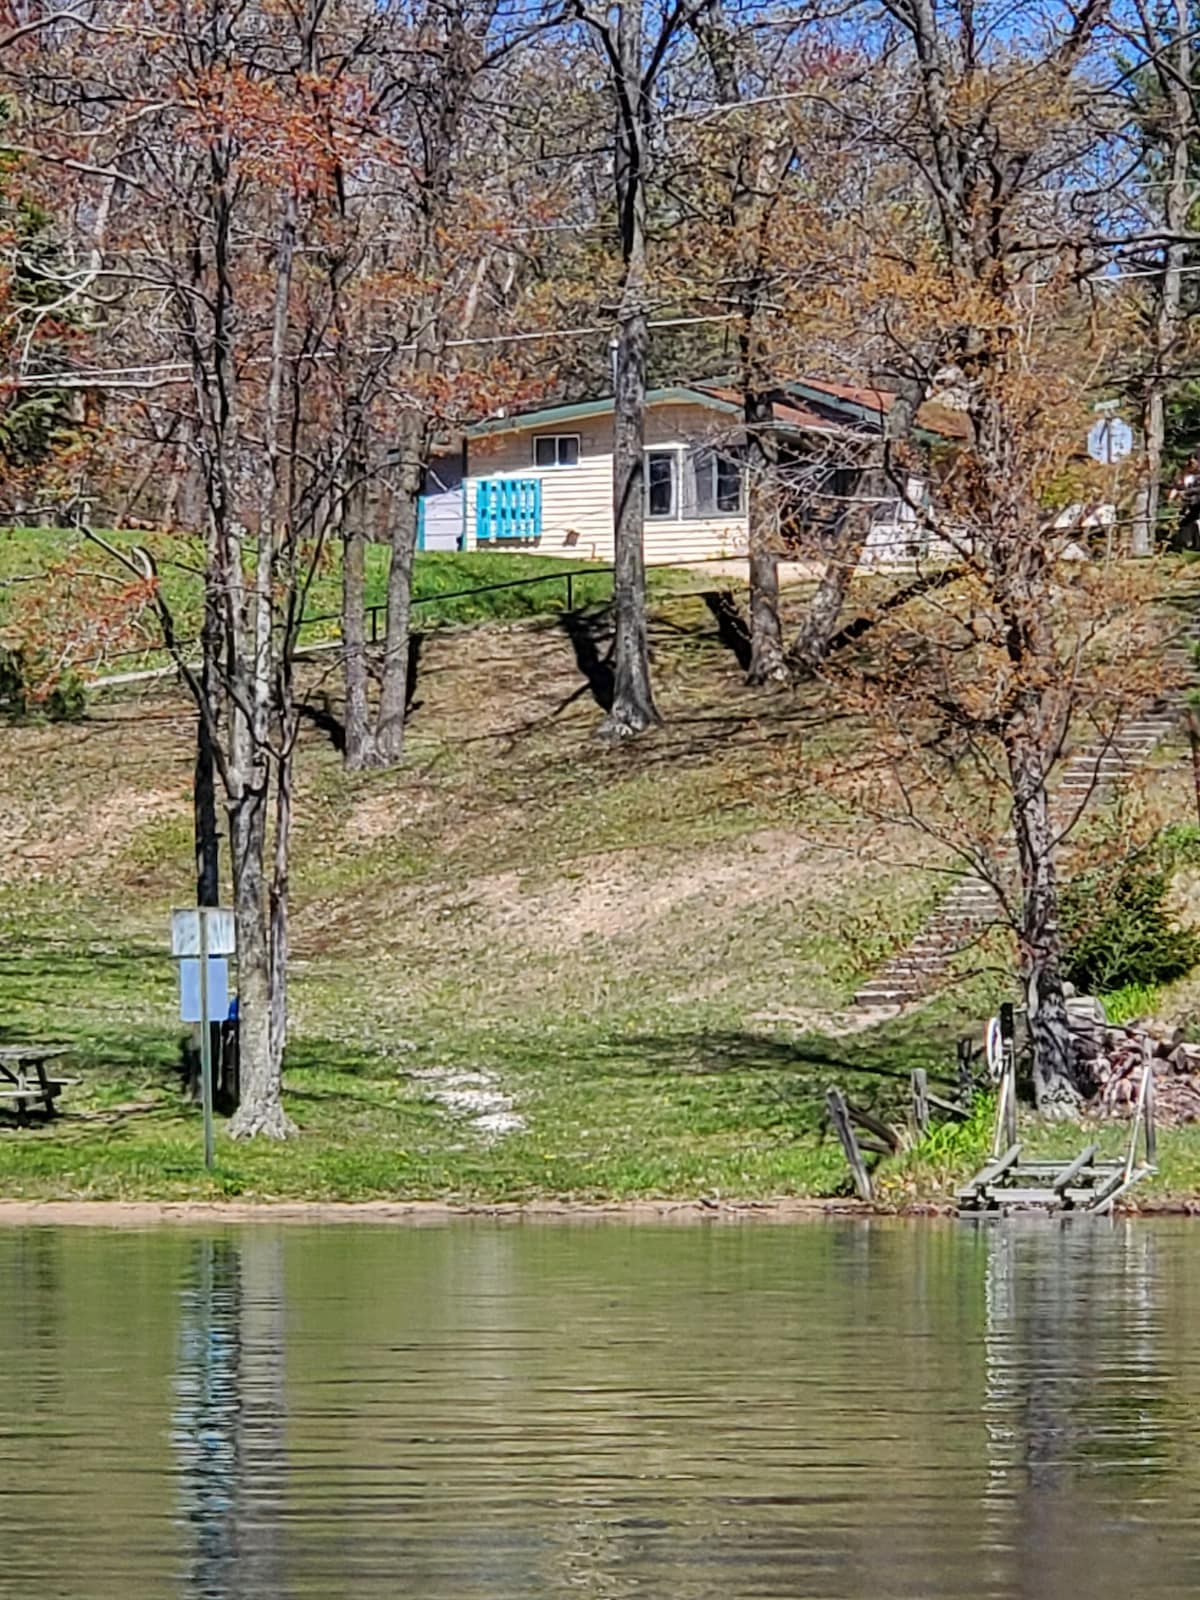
526, 963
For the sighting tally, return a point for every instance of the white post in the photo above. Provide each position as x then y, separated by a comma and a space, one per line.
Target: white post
206, 1065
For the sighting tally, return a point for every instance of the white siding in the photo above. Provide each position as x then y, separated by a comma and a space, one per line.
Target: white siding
443, 502
577, 501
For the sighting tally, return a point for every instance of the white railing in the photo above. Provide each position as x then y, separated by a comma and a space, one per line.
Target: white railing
1002, 1065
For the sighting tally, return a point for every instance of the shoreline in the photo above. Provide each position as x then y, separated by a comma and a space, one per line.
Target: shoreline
16, 1213
424, 1213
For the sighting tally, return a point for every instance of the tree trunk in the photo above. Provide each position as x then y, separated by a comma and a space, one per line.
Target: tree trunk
633, 709
405, 501
1145, 508
260, 1111
360, 738
279, 904
1055, 1084
811, 644
1194, 741
204, 791
762, 488
1173, 67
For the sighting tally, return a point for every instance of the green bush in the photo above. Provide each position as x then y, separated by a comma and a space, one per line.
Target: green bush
1117, 931
66, 701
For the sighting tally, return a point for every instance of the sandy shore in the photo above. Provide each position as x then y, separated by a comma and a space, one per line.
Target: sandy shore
427, 1213
414, 1213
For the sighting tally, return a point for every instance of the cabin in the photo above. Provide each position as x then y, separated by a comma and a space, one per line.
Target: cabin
541, 480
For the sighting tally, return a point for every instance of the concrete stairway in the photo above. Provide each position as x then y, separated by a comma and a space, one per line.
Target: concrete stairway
1090, 774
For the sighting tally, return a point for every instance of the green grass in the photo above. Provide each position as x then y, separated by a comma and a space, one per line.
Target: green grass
442, 581
608, 1116
642, 949
1131, 1001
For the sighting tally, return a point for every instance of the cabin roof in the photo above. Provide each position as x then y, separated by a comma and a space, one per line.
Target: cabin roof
805, 405
792, 414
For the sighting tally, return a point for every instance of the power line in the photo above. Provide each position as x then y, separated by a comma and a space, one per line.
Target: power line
176, 371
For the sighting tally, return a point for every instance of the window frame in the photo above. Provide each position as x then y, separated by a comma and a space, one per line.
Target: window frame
556, 465
684, 459
671, 451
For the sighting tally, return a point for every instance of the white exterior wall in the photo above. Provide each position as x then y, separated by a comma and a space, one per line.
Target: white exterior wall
577, 501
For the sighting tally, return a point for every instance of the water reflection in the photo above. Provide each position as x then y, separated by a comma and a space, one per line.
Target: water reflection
831, 1412
1076, 1405
228, 1421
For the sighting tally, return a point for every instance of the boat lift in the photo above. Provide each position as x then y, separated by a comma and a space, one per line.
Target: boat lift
1085, 1183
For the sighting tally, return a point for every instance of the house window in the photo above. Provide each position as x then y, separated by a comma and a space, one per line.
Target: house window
689, 483
662, 467
556, 450
713, 484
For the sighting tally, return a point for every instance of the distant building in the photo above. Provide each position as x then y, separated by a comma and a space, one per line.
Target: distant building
542, 480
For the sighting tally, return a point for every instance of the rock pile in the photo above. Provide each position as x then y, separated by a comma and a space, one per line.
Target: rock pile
1112, 1058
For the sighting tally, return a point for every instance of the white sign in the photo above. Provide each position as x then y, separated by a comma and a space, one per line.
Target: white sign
185, 931
190, 1009
1109, 440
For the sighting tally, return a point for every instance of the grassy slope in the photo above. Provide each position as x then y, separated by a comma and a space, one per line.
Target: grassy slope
439, 580
640, 948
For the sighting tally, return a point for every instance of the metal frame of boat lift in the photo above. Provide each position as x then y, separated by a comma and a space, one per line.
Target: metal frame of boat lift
1007, 1183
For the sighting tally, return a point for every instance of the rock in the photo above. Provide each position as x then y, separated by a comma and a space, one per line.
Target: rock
1085, 1012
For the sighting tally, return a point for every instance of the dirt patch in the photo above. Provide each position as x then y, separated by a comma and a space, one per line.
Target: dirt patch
384, 816
42, 843
610, 895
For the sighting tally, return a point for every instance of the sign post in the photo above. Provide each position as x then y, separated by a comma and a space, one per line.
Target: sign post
206, 1084
204, 938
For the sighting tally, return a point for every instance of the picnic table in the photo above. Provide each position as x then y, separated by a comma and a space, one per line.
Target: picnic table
24, 1079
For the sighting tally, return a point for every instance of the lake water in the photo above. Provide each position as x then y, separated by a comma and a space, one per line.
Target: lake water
858, 1410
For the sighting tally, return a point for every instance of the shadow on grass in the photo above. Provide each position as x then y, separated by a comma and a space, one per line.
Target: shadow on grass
875, 1066
731, 624
588, 632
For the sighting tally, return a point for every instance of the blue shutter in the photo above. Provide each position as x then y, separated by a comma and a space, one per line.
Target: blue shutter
508, 509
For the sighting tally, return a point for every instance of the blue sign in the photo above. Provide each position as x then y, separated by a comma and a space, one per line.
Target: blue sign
1109, 440
218, 990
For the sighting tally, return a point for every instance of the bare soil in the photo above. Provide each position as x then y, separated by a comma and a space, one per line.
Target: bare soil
414, 1213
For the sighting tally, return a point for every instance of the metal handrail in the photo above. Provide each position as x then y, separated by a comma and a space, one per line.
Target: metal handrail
1005, 1135
377, 611
1143, 1123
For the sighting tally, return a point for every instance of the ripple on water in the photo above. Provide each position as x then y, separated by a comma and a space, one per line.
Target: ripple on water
832, 1411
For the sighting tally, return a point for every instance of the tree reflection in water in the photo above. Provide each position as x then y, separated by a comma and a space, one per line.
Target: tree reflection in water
1075, 1402
229, 1417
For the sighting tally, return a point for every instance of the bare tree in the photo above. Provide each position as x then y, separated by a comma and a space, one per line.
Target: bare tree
975, 293
1164, 96
755, 164
635, 59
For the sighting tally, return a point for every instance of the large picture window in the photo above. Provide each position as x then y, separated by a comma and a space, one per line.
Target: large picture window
692, 483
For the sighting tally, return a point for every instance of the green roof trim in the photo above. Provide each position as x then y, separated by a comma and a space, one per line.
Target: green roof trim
923, 434
835, 402
550, 416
